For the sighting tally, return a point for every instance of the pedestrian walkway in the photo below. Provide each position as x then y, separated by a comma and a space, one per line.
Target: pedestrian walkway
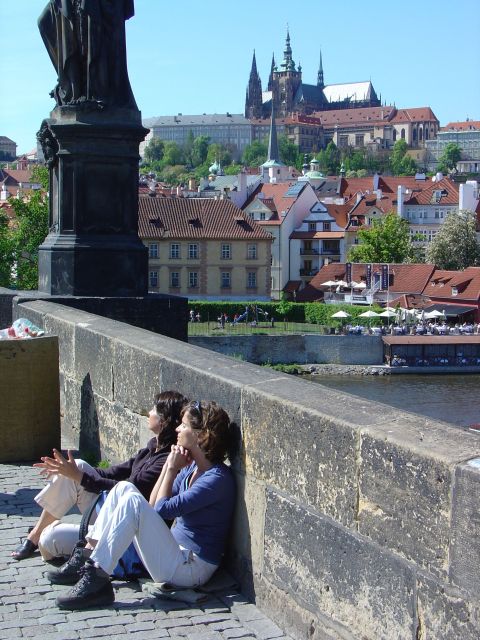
28, 599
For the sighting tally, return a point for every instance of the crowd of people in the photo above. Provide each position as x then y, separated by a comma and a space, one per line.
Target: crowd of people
179, 477
421, 328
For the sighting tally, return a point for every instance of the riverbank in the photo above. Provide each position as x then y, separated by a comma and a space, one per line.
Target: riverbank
377, 370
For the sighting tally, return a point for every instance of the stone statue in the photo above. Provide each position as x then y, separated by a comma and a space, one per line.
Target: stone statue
85, 40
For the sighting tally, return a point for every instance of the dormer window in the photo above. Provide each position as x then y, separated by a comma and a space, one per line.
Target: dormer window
454, 291
327, 226
312, 226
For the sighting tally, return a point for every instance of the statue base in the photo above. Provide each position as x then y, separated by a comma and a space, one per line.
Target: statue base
93, 248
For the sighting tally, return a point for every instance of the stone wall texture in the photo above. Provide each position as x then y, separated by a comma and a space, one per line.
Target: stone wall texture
297, 349
354, 520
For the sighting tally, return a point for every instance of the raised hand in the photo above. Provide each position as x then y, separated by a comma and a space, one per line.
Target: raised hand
178, 457
59, 465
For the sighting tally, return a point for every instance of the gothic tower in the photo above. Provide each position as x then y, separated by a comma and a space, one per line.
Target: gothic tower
286, 82
253, 99
270, 77
320, 80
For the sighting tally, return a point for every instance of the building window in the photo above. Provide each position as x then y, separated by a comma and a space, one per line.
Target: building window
262, 216
153, 250
252, 252
251, 280
153, 279
359, 139
225, 280
174, 251
226, 252
193, 279
312, 226
327, 226
193, 251
175, 279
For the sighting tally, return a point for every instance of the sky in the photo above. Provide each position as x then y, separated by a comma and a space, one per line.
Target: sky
193, 57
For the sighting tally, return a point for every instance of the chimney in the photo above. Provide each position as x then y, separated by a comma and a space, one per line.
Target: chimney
400, 198
376, 179
242, 182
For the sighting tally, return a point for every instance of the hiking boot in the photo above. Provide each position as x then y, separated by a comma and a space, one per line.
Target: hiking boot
94, 589
69, 572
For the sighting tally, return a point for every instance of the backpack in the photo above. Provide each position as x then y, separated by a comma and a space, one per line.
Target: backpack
129, 567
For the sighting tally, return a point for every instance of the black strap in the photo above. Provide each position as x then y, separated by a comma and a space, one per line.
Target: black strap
82, 533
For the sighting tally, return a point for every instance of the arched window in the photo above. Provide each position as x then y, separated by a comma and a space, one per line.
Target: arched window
402, 134
414, 134
394, 135
420, 134
426, 133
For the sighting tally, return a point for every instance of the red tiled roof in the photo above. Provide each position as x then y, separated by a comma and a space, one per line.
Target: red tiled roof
448, 188
275, 199
467, 282
17, 175
195, 218
357, 116
468, 125
292, 285
317, 235
411, 278
417, 114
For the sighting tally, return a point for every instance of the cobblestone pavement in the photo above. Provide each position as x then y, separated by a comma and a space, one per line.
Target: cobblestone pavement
28, 599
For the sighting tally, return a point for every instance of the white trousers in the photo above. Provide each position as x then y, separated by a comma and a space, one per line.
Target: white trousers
58, 497
125, 517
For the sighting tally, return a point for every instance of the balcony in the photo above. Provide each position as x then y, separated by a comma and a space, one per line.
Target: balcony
309, 252
330, 252
308, 273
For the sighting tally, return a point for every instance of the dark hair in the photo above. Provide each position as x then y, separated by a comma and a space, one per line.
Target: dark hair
215, 437
169, 405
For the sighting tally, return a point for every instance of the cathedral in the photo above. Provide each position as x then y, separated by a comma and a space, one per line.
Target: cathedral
288, 94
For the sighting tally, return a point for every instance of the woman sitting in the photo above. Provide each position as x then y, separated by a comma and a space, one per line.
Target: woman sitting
195, 487
75, 482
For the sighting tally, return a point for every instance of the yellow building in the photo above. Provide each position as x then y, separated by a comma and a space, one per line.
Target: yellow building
204, 249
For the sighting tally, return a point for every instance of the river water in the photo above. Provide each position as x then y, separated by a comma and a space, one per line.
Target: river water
450, 398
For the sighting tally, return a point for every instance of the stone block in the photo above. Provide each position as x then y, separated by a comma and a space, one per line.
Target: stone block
405, 483
94, 356
301, 451
444, 613
118, 431
465, 536
334, 573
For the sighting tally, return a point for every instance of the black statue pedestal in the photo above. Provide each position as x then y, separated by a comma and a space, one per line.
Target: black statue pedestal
93, 248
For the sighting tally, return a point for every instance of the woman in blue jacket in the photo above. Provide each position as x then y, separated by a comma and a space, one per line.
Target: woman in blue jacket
195, 487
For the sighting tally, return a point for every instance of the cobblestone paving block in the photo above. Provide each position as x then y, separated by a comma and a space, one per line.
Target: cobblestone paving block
53, 618
229, 623
264, 629
108, 632
204, 635
11, 633
246, 612
208, 618
150, 616
237, 632
139, 626
109, 621
185, 612
37, 630
148, 635
172, 623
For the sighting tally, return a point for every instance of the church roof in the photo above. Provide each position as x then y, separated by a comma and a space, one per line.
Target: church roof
349, 91
309, 93
417, 114
206, 118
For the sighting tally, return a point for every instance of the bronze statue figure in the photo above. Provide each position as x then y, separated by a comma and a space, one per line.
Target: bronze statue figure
85, 40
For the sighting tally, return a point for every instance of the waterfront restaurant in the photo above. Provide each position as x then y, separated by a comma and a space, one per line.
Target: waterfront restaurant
432, 351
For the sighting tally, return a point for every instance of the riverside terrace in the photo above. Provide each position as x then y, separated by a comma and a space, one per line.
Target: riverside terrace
354, 520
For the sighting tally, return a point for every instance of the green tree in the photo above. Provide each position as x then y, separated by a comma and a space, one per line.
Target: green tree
289, 153
329, 159
400, 162
172, 154
218, 153
199, 150
6, 252
449, 158
387, 240
455, 246
154, 150
255, 153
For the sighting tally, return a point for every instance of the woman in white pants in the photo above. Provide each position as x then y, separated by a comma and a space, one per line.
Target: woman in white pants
74, 482
195, 487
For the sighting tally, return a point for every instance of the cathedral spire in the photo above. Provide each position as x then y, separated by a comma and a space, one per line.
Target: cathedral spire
270, 77
288, 64
273, 154
320, 80
253, 99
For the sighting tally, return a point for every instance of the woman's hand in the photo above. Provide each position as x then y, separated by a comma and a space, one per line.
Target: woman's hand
178, 458
59, 465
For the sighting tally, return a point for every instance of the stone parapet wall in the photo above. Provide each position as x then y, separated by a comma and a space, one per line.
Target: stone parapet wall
297, 349
354, 520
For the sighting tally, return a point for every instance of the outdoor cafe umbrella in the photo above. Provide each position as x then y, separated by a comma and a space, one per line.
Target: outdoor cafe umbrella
369, 314
340, 314
388, 313
328, 283
435, 314
360, 285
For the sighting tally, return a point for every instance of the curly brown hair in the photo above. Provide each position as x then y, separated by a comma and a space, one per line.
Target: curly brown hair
169, 406
213, 423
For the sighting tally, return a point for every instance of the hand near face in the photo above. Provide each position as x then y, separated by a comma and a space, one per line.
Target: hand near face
59, 465
178, 457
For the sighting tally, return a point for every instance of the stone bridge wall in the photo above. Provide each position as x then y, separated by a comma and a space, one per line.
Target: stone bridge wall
297, 349
354, 520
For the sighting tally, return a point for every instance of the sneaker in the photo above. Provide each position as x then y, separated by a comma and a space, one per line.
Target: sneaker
69, 572
94, 589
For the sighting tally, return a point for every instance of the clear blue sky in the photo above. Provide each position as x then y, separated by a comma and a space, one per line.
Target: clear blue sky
194, 57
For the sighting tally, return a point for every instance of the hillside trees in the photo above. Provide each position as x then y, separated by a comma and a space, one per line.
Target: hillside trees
455, 246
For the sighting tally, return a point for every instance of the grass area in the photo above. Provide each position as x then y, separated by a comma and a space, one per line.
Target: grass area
262, 328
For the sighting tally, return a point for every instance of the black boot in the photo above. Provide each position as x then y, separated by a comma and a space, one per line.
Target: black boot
94, 589
69, 572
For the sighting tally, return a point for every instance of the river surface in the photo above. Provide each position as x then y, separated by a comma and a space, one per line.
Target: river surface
451, 398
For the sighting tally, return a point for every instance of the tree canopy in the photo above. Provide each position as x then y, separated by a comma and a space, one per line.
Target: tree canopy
401, 163
449, 158
255, 153
455, 246
387, 240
